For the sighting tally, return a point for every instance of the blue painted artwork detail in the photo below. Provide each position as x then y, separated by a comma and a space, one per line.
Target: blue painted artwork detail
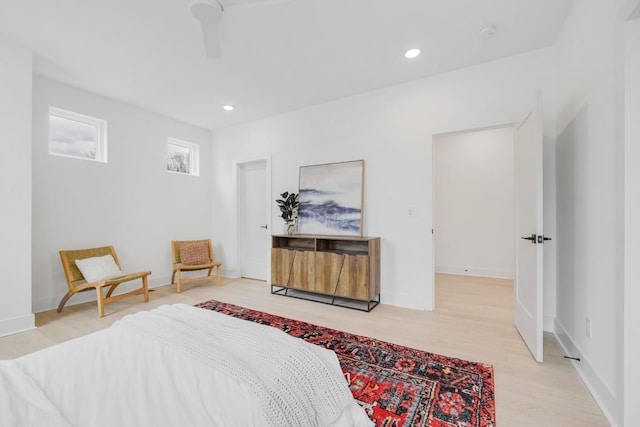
318, 207
331, 198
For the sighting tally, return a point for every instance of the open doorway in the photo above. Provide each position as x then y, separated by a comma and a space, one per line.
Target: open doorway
474, 203
474, 212
524, 177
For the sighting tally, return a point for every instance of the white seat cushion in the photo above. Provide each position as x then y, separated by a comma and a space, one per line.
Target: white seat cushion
98, 268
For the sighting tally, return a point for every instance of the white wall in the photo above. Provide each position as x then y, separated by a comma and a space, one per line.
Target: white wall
391, 129
473, 203
131, 202
15, 188
590, 194
632, 225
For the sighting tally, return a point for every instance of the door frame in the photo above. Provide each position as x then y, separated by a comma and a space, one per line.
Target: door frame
433, 192
239, 165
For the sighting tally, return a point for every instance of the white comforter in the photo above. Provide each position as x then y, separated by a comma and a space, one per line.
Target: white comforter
179, 366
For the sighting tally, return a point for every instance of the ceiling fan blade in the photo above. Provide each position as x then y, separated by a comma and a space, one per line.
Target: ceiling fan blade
209, 13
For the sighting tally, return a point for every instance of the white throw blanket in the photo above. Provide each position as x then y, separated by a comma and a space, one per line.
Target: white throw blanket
179, 365
22, 402
297, 383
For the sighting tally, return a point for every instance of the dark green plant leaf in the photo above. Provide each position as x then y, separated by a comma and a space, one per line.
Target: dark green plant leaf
288, 204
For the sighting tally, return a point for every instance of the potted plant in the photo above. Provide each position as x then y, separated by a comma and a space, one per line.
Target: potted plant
288, 205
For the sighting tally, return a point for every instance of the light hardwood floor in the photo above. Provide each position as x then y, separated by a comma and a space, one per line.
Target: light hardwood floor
473, 321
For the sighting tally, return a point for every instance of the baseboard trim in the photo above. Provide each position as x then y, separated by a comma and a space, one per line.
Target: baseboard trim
411, 301
230, 274
477, 272
548, 324
17, 324
598, 389
50, 303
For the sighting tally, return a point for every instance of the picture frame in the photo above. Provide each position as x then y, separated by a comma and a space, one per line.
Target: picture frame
331, 198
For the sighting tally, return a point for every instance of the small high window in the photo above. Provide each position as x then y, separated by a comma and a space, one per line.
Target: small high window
183, 157
76, 135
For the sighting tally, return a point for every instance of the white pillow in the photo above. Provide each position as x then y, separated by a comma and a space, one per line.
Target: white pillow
98, 268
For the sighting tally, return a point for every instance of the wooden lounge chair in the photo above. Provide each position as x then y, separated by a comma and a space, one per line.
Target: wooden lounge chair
193, 255
76, 282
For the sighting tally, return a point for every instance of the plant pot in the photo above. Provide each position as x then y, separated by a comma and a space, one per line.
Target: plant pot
289, 227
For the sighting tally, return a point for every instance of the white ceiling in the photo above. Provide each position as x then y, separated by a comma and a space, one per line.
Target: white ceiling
277, 55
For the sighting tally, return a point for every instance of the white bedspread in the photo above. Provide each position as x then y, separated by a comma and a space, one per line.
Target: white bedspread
179, 366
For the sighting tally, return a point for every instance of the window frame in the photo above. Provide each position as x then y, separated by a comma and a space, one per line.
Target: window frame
101, 133
194, 151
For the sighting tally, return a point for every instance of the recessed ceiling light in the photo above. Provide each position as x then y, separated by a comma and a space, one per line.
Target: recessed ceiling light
229, 107
412, 53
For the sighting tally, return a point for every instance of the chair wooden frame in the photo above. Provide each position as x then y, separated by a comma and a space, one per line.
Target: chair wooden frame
179, 267
77, 283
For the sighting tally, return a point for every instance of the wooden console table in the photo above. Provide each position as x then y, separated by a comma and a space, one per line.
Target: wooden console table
337, 270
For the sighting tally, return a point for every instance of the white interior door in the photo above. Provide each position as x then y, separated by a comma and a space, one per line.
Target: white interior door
528, 286
253, 230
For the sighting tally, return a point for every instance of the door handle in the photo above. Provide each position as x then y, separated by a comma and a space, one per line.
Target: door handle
535, 238
264, 226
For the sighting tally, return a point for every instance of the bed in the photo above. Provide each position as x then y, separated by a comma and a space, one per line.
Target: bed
179, 365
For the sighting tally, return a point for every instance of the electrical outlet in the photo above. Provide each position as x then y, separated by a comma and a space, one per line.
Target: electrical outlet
412, 212
588, 328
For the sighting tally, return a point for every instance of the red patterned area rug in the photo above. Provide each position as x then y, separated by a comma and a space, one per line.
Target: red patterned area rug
398, 386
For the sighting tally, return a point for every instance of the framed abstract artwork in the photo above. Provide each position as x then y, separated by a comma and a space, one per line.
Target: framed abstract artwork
330, 197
